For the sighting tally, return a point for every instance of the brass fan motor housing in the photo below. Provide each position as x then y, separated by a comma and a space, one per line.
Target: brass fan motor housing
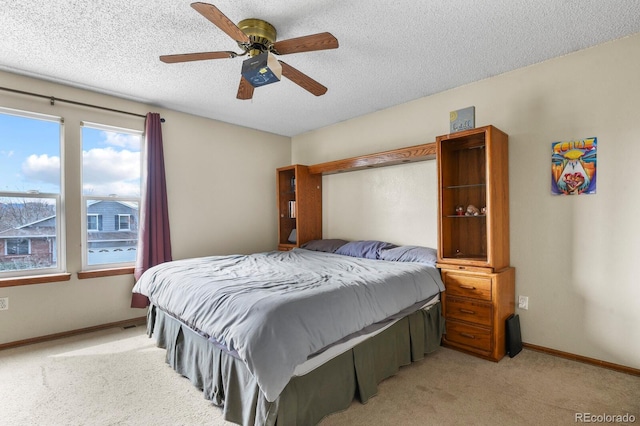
261, 33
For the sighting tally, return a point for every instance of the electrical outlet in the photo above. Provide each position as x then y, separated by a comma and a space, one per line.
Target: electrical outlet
523, 302
4, 303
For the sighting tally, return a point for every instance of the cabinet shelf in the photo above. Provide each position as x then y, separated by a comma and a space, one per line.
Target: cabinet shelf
300, 192
470, 185
473, 251
473, 170
470, 256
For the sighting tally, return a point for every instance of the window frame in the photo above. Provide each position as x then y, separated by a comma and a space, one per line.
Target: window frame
128, 221
97, 216
88, 270
7, 245
60, 234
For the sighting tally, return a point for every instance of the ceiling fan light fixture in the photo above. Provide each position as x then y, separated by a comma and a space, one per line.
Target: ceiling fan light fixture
257, 38
262, 69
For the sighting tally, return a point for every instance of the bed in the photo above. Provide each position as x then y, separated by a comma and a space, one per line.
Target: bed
288, 337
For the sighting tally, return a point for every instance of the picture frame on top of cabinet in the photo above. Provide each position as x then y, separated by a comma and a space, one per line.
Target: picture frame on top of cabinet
462, 119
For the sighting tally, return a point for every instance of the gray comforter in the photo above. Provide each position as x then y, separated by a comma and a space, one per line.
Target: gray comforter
275, 309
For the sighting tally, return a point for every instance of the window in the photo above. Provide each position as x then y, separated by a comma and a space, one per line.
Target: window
124, 222
111, 186
31, 216
93, 222
17, 246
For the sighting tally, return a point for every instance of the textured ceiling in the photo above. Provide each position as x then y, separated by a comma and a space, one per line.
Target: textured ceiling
390, 52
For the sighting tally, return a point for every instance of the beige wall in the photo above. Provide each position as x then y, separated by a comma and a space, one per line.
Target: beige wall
575, 257
222, 199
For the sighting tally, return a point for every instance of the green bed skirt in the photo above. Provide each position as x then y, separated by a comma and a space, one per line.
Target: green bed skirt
306, 399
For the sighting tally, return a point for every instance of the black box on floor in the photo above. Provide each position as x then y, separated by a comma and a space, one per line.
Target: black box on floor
514, 340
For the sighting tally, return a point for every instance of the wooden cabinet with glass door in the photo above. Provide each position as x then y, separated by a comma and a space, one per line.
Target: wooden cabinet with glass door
473, 239
299, 206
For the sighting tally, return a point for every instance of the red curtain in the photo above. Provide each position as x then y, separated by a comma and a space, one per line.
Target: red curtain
154, 240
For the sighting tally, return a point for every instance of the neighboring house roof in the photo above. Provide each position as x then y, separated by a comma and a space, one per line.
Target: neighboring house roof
97, 236
36, 222
133, 206
32, 229
41, 232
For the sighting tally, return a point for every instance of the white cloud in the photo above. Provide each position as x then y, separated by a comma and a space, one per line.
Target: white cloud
8, 154
107, 171
122, 189
42, 168
122, 140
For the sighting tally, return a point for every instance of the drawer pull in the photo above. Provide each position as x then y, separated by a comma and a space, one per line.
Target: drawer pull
467, 287
467, 311
468, 336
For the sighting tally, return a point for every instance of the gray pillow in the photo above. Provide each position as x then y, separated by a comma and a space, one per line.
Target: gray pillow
410, 254
327, 245
368, 249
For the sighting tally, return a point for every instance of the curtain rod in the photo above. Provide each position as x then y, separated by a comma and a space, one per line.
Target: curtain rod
52, 101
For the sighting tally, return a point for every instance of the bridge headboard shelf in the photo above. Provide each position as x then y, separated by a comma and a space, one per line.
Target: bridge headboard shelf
409, 154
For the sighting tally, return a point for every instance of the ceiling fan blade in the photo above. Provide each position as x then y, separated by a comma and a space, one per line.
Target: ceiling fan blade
320, 41
218, 18
245, 90
302, 80
187, 57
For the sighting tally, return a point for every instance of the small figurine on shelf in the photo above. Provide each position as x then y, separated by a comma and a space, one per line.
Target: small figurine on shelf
483, 211
460, 211
472, 210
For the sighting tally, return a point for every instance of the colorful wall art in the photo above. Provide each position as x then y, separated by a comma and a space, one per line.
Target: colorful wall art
573, 167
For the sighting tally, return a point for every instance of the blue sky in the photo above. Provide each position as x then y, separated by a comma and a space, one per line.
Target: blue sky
19, 138
30, 158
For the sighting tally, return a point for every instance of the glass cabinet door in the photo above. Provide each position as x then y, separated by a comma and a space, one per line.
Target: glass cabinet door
473, 198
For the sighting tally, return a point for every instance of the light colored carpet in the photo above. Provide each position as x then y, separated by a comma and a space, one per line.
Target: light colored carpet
119, 377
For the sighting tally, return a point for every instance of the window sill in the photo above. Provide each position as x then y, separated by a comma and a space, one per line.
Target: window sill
82, 275
34, 279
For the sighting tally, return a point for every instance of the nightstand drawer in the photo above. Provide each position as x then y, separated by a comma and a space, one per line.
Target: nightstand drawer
469, 335
467, 285
469, 310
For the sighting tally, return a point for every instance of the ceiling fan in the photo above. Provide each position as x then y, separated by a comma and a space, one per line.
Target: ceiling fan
257, 39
